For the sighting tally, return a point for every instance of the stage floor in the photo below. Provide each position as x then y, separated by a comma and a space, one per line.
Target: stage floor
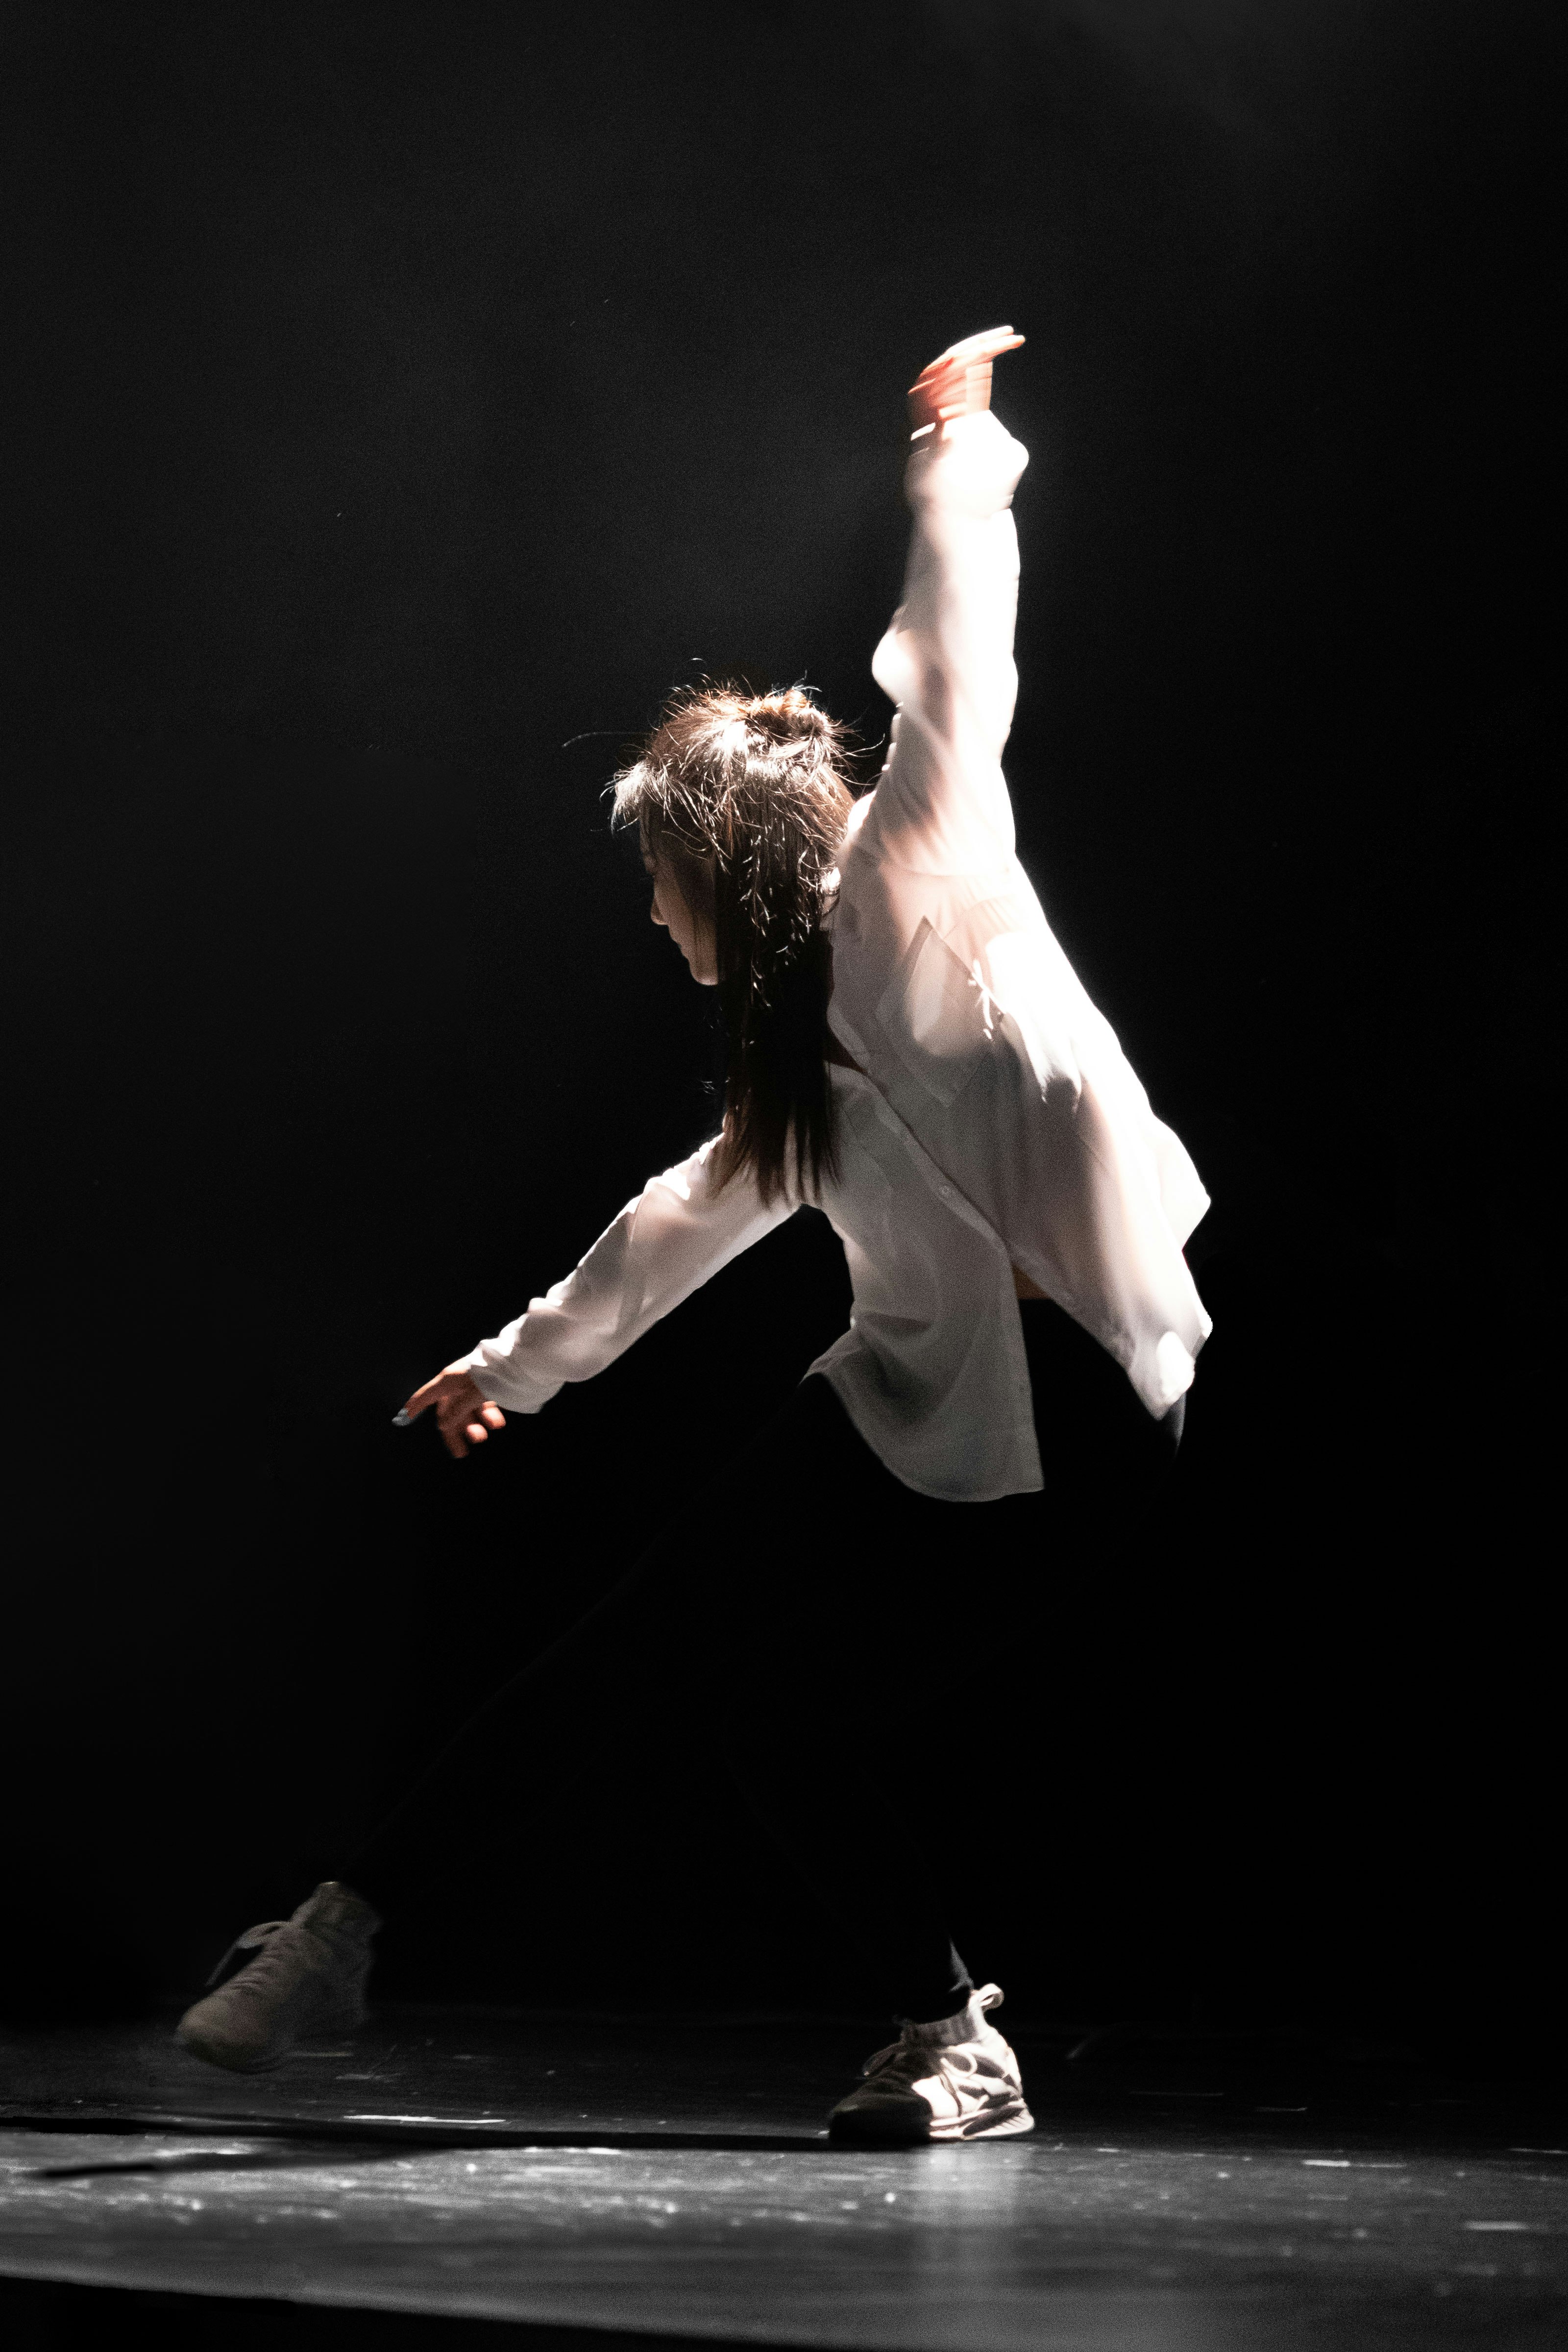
672, 2179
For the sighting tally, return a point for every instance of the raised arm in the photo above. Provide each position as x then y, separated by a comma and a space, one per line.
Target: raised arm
947, 658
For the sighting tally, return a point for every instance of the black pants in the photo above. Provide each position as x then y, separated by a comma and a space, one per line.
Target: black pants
811, 1622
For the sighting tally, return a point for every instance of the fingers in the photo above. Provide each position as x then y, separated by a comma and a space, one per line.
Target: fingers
478, 1426
952, 384
958, 382
464, 1414
462, 1424
458, 1434
458, 1431
454, 1379
965, 397
431, 1393
988, 345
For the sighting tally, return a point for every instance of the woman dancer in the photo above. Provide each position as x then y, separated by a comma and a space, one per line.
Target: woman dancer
909, 1047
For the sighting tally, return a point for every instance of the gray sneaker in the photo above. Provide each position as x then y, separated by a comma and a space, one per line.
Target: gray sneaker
284, 1982
954, 2079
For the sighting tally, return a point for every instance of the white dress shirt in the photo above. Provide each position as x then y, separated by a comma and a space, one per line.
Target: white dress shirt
997, 1122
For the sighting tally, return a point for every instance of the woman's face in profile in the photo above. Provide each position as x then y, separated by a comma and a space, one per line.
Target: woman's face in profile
672, 910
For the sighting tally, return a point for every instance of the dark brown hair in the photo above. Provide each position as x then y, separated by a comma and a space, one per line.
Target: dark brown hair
742, 798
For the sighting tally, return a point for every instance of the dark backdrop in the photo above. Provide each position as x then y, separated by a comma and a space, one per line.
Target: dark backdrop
405, 398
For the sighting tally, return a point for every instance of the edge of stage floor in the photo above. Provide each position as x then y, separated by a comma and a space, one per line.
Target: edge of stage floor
44, 2314
594, 2182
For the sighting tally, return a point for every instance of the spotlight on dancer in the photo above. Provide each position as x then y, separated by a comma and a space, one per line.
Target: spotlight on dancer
909, 1049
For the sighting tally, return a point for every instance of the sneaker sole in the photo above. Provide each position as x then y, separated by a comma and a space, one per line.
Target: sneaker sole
348, 2019
1011, 2126
867, 2131
214, 2054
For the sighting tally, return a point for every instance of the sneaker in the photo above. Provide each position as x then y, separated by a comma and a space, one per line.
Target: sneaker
284, 1981
954, 2079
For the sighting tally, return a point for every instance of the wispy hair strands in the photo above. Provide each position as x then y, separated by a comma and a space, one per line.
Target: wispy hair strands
742, 798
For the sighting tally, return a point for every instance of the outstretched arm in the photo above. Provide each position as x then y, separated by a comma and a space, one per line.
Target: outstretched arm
947, 658
682, 1227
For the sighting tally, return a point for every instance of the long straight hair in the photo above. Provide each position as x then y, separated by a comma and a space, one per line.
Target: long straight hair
742, 801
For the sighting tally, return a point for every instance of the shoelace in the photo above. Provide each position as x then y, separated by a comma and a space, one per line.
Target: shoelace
917, 2057
905, 2061
256, 1941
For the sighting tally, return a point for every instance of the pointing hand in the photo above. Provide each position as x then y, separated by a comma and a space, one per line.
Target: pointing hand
464, 1414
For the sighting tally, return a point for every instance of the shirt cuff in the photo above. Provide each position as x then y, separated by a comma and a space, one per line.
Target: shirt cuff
506, 1383
974, 471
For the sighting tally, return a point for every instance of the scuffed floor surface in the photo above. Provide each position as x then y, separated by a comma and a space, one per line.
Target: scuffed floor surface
667, 2179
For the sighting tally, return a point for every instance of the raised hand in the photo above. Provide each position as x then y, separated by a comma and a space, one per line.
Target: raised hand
958, 382
464, 1414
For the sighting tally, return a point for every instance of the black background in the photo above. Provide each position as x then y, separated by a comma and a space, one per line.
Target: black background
405, 398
